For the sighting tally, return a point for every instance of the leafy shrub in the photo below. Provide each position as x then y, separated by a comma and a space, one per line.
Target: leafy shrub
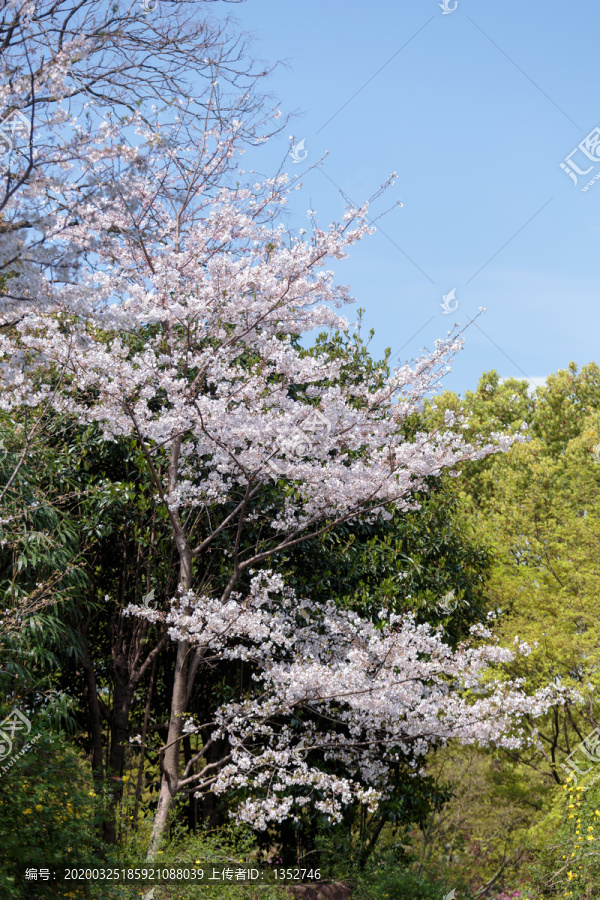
49, 813
568, 867
231, 847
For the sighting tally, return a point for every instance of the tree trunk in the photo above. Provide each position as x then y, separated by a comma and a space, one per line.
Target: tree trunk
140, 778
212, 812
123, 697
170, 763
95, 717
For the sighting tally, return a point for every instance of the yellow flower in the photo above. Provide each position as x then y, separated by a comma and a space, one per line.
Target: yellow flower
39, 806
126, 778
27, 812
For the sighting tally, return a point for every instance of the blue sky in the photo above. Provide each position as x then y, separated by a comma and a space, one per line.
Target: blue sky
475, 110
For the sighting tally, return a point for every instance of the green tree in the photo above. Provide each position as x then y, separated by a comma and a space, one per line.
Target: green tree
536, 509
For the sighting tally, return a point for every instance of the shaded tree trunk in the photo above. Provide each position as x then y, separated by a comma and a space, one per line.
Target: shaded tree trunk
179, 699
212, 812
119, 720
138, 787
170, 761
94, 715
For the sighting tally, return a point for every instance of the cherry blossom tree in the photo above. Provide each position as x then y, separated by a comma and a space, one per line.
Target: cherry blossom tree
73, 77
67, 69
182, 330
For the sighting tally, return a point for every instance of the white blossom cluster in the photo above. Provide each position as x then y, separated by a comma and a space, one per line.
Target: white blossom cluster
388, 691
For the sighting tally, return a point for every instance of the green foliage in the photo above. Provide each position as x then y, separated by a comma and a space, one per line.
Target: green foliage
230, 847
390, 876
567, 400
42, 543
49, 811
392, 882
408, 563
567, 862
482, 835
537, 511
